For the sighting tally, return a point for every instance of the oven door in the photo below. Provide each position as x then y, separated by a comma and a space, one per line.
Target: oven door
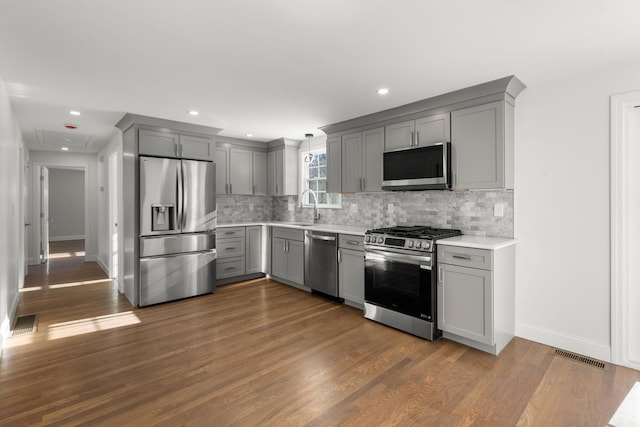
401, 283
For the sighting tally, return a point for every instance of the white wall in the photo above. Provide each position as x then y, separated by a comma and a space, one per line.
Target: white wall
61, 159
104, 239
66, 204
562, 210
12, 155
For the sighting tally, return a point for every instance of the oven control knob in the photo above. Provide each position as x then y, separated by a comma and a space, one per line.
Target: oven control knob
409, 243
380, 239
418, 244
366, 239
425, 245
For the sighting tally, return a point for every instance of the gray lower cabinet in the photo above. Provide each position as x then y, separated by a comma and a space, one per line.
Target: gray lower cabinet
287, 255
482, 140
239, 253
351, 269
476, 296
253, 249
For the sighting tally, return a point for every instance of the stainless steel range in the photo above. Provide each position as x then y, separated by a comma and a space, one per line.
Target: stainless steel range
401, 278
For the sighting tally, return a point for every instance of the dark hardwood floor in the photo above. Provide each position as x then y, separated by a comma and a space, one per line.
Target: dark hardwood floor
261, 353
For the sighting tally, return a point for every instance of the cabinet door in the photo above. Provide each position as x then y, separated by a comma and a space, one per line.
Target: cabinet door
259, 173
193, 147
372, 148
222, 160
352, 163
465, 302
271, 173
351, 275
399, 135
279, 260
253, 249
158, 143
334, 164
295, 253
477, 139
433, 129
240, 171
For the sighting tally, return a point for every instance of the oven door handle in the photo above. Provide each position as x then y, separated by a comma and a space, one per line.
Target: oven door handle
422, 261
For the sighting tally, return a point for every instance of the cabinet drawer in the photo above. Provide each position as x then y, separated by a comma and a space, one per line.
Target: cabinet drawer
288, 233
229, 267
466, 257
230, 247
226, 232
351, 241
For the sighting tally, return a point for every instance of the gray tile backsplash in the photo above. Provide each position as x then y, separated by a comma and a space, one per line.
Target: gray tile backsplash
471, 212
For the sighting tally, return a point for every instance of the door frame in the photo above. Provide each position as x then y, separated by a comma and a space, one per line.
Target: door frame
36, 198
621, 107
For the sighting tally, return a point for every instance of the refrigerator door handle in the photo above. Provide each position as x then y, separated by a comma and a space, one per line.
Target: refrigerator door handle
179, 189
184, 196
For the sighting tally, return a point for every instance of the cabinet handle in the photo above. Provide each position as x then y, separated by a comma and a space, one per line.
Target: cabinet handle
229, 232
230, 188
284, 246
339, 256
229, 249
254, 189
276, 189
229, 268
417, 138
361, 184
440, 274
465, 257
353, 242
411, 142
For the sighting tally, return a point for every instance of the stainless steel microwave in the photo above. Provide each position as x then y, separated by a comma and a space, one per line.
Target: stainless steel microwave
424, 168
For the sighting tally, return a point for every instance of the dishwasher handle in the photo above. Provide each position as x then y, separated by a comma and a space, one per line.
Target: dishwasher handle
321, 237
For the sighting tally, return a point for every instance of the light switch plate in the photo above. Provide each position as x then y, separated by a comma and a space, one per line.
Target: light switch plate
390, 208
498, 209
292, 207
354, 208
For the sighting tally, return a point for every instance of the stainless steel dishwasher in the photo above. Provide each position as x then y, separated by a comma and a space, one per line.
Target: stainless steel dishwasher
321, 262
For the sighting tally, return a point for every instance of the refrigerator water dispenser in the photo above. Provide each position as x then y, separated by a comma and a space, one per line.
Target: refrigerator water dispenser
163, 217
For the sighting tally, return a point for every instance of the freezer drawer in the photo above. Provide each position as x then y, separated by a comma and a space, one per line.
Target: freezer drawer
174, 277
176, 244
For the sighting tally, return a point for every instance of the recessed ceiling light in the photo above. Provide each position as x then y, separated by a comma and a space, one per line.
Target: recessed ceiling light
193, 112
64, 148
74, 113
249, 135
383, 91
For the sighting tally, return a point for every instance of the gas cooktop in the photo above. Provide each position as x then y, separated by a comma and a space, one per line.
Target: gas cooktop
412, 237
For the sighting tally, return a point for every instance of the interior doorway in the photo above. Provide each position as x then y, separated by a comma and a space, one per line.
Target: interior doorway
625, 229
60, 194
114, 253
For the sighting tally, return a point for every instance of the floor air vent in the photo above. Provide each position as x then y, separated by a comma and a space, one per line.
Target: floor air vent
578, 358
24, 325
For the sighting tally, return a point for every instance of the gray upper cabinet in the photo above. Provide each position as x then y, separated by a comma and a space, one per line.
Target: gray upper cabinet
259, 173
334, 164
355, 161
168, 144
282, 171
240, 171
482, 146
352, 163
372, 149
421, 132
222, 174
158, 143
193, 147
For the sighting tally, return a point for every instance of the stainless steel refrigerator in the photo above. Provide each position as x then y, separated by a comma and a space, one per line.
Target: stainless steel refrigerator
177, 229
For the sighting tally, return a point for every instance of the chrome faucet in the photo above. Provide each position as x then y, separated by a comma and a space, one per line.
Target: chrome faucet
316, 215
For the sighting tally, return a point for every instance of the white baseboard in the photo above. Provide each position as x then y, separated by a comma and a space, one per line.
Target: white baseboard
568, 342
103, 266
63, 238
91, 258
5, 326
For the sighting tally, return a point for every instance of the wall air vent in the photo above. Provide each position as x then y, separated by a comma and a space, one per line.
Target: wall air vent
578, 358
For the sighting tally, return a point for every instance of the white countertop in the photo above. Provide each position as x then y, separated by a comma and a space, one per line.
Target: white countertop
478, 242
332, 228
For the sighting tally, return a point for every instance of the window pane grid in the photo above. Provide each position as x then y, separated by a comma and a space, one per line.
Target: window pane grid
315, 174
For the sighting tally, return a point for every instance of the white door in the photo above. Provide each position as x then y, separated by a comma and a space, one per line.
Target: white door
113, 216
625, 229
44, 214
26, 213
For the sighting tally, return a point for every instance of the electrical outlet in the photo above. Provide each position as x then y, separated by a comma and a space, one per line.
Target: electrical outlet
498, 209
292, 207
250, 206
390, 208
354, 208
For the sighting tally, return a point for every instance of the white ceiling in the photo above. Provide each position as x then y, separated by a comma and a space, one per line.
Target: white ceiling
282, 68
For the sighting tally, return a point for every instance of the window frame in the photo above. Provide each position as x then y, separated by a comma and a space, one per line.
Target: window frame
316, 149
